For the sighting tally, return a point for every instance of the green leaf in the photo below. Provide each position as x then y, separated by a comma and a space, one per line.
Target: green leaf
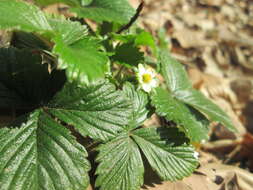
22, 16
83, 60
166, 152
125, 38
118, 11
174, 73
200, 102
8, 98
23, 73
140, 101
128, 54
140, 38
85, 2
27, 17
120, 165
41, 154
146, 39
97, 110
68, 2
178, 83
27, 40
49, 2
108, 28
69, 31
194, 124
163, 39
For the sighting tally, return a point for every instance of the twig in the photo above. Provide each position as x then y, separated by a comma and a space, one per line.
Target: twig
133, 19
118, 73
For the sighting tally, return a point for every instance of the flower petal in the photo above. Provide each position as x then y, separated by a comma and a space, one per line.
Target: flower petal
153, 83
146, 87
196, 155
141, 69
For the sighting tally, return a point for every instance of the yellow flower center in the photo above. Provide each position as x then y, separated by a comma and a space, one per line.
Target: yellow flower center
146, 78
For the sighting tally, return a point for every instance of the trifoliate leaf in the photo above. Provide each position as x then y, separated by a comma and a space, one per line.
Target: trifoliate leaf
201, 103
166, 152
193, 123
97, 110
23, 16
120, 165
83, 60
140, 101
128, 54
41, 154
173, 73
69, 31
118, 11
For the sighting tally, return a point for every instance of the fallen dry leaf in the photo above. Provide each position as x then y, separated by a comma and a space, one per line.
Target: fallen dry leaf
194, 182
233, 177
189, 38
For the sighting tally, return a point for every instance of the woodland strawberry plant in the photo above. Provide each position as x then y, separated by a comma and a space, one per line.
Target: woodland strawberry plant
75, 91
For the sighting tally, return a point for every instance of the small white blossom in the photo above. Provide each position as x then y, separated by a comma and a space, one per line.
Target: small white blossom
196, 155
146, 78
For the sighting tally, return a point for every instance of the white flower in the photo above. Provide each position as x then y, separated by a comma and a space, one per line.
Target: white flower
146, 78
196, 155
